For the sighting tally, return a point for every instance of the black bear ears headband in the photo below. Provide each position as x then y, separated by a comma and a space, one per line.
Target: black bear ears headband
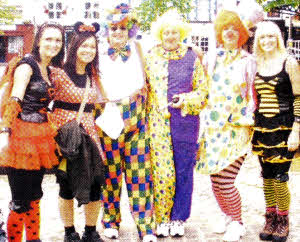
80, 27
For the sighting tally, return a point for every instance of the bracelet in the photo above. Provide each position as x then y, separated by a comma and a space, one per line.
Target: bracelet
16, 99
297, 119
5, 130
296, 105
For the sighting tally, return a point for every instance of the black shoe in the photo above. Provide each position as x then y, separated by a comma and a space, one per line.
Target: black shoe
91, 237
73, 237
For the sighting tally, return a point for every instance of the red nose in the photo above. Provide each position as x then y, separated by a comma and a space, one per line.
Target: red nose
230, 35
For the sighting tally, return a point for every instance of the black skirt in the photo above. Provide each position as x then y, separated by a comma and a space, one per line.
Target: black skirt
270, 137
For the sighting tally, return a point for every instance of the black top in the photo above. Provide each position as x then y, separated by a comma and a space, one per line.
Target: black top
77, 79
283, 89
37, 94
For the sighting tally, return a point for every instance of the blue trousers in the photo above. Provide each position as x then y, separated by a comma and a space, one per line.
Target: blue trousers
184, 159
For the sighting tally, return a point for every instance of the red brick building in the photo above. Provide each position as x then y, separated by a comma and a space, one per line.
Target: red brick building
14, 39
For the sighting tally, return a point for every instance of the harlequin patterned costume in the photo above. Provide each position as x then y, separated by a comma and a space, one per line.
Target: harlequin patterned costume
129, 153
230, 100
30, 150
174, 138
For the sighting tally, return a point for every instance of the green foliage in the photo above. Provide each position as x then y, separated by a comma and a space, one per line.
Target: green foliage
7, 13
149, 10
260, 1
280, 5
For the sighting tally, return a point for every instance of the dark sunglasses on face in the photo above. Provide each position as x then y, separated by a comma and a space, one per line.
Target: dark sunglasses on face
114, 28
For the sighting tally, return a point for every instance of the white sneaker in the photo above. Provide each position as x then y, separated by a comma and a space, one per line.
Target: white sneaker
162, 230
111, 233
234, 231
177, 228
149, 238
220, 225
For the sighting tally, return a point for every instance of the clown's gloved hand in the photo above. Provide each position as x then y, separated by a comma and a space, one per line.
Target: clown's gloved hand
177, 100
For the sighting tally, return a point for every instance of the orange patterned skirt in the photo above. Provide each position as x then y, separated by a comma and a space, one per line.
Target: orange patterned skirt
31, 147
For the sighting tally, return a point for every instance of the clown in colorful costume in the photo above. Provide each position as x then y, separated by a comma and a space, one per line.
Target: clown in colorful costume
173, 138
277, 125
26, 129
122, 77
222, 141
227, 119
175, 72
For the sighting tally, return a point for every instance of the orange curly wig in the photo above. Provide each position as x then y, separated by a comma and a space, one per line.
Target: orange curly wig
226, 18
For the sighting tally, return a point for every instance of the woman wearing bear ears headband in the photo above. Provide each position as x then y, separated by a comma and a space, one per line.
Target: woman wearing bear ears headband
80, 70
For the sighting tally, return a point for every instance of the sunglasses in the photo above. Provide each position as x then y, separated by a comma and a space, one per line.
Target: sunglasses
115, 28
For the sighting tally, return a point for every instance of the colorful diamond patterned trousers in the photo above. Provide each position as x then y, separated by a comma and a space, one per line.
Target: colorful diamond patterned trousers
129, 154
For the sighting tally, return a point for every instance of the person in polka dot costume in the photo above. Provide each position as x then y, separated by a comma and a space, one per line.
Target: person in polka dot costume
70, 85
174, 71
227, 119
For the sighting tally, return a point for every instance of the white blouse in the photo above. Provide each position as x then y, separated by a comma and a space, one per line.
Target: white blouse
121, 79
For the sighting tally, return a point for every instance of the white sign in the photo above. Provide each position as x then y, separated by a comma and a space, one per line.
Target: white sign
9, 27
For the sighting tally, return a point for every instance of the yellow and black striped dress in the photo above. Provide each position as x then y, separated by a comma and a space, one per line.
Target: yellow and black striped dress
274, 117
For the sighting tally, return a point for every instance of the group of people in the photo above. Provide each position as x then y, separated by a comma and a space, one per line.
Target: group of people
152, 118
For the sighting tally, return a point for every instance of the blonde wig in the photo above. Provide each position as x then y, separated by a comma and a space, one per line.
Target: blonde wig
170, 19
226, 18
265, 28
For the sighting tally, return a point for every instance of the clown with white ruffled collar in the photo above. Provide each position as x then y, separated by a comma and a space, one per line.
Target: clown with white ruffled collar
124, 127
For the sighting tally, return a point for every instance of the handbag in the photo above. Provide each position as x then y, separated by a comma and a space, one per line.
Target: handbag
68, 135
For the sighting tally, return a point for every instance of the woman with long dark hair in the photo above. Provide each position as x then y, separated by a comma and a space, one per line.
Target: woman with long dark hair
80, 70
27, 133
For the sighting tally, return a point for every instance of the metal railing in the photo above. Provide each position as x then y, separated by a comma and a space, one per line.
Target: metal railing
294, 48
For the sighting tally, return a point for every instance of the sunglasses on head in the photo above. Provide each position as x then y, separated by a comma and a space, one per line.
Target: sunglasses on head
115, 28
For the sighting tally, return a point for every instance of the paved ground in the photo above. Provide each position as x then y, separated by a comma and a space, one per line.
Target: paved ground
204, 209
